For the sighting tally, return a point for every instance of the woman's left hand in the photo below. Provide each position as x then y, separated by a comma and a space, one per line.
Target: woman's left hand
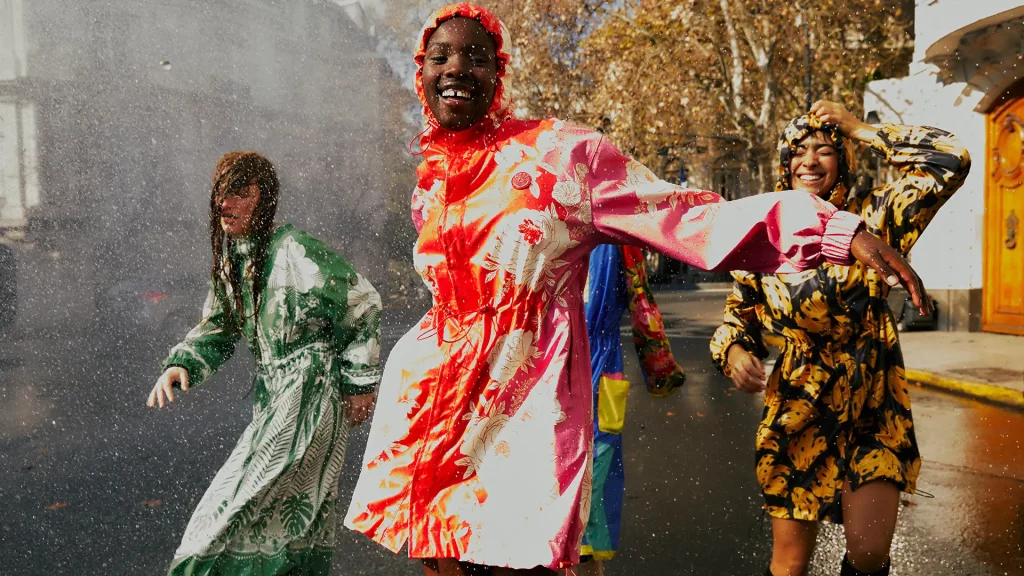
358, 408
871, 250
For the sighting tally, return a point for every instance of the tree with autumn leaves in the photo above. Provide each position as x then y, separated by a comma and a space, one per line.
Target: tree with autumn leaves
706, 85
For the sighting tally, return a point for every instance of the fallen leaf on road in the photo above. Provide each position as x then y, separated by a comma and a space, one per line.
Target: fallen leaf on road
700, 414
670, 413
57, 506
152, 503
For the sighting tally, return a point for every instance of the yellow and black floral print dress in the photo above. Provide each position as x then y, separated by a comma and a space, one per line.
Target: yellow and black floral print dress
836, 404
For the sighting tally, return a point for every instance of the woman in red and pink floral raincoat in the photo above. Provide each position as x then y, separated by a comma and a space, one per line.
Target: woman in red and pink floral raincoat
480, 447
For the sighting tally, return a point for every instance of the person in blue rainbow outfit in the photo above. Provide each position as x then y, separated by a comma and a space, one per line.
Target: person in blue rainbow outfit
617, 281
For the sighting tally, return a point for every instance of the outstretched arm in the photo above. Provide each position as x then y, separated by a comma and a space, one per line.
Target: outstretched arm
779, 232
204, 349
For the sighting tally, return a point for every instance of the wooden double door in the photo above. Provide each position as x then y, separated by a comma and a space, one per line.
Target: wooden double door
1003, 308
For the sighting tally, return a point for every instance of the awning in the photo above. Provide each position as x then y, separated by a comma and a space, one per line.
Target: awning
987, 54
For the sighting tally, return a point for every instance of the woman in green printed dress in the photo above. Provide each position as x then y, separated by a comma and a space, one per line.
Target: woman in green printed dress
313, 324
836, 441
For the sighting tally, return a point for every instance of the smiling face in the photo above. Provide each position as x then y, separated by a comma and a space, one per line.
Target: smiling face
814, 165
460, 73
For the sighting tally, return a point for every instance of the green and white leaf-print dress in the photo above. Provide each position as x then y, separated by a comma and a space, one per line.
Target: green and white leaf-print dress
271, 508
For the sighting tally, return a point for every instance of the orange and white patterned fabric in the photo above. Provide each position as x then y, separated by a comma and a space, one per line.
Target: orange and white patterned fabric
480, 448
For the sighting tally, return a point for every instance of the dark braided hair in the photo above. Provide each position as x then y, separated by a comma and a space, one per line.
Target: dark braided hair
236, 171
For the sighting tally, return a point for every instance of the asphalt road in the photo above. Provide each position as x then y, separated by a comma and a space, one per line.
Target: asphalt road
91, 482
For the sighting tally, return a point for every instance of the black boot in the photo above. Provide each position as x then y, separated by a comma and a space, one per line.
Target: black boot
849, 570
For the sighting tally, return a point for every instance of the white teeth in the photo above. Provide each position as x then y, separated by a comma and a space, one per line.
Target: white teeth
451, 93
810, 177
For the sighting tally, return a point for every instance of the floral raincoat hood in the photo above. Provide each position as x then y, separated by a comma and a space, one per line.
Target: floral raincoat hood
502, 107
798, 129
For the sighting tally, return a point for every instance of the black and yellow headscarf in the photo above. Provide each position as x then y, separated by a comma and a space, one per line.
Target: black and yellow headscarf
798, 129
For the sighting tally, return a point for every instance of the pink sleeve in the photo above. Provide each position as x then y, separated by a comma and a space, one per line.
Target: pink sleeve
777, 232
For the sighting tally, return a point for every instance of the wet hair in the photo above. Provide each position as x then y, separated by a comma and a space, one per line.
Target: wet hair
794, 133
236, 171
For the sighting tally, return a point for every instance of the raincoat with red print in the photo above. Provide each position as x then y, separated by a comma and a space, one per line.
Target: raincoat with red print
480, 448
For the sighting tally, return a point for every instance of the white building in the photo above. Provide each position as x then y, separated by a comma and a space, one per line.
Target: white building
968, 77
112, 115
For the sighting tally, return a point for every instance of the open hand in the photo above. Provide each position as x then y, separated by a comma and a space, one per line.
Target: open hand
164, 389
869, 249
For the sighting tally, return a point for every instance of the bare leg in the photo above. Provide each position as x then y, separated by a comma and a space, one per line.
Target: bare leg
792, 546
869, 519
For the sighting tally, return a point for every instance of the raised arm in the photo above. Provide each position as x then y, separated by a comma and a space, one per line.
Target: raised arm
933, 165
776, 233
932, 162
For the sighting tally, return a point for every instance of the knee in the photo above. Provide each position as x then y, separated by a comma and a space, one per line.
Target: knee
790, 561
867, 557
789, 566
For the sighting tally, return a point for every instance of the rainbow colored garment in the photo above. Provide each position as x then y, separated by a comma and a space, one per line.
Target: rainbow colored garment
618, 281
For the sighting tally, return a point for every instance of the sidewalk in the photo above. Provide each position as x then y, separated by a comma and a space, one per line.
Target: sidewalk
981, 365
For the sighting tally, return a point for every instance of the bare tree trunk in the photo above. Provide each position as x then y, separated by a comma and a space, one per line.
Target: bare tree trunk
737, 60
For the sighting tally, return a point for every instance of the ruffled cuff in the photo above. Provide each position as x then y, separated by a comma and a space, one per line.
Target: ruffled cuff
725, 337
663, 386
184, 356
356, 382
839, 232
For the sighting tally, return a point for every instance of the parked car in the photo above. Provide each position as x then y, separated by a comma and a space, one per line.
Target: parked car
8, 287
663, 269
168, 307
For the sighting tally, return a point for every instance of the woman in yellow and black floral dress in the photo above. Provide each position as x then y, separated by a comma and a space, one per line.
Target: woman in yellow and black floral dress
836, 440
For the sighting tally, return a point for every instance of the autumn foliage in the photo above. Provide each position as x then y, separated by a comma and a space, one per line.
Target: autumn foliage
702, 84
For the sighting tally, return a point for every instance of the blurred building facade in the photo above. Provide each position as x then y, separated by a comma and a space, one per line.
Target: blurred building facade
112, 115
968, 77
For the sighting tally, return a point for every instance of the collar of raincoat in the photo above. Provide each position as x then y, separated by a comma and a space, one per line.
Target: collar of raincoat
501, 108
797, 130
242, 247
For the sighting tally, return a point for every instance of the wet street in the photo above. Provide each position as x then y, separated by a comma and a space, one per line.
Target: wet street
91, 482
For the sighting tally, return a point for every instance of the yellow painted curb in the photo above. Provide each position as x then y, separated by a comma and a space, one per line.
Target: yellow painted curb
979, 390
